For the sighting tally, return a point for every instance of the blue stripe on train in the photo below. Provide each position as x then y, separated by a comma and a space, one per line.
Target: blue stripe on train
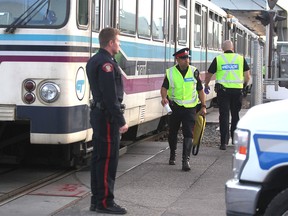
131, 49
55, 120
43, 37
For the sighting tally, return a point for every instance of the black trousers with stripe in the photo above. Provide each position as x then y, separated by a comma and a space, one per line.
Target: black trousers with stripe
104, 161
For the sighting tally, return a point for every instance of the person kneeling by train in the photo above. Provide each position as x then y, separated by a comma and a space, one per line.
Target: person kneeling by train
182, 89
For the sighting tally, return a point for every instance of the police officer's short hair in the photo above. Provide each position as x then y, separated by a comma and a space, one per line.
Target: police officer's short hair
106, 35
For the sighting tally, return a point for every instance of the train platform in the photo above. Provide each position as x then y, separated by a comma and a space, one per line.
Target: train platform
145, 185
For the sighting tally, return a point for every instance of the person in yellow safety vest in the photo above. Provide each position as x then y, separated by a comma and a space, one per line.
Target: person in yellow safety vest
182, 89
232, 72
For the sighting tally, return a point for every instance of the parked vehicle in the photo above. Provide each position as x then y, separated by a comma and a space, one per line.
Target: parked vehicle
260, 162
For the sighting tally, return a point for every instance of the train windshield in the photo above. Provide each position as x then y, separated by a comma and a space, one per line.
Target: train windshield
32, 13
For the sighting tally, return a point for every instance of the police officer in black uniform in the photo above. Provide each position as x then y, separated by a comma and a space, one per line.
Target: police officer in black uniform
107, 121
232, 74
183, 81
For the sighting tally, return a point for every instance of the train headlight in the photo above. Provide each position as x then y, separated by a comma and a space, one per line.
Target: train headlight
49, 92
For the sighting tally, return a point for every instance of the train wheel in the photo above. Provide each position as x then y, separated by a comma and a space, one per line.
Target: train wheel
279, 205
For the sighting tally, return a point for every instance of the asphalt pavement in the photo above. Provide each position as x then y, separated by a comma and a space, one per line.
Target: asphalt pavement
146, 185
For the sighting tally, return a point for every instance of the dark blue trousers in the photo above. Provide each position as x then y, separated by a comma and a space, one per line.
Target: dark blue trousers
104, 161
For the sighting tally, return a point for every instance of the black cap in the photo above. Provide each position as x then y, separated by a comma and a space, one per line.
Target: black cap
183, 53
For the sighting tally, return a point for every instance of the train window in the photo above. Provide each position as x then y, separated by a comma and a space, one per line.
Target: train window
215, 32
182, 31
250, 44
127, 19
197, 26
33, 13
83, 12
210, 30
216, 17
5, 18
238, 40
204, 27
219, 33
95, 15
158, 20
144, 18
107, 13
169, 25
240, 43
224, 29
245, 44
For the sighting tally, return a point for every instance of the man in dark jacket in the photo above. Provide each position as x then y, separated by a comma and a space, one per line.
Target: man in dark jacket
107, 121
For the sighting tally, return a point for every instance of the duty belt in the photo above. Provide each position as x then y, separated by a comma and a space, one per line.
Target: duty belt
100, 106
94, 105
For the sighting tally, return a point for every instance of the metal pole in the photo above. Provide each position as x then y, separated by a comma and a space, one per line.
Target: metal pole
257, 81
270, 41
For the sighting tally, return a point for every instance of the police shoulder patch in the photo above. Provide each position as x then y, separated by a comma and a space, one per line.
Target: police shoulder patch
107, 67
196, 73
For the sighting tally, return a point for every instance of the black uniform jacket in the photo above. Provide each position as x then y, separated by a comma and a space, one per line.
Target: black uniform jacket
106, 84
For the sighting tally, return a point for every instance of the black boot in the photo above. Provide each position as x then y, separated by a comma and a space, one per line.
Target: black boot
222, 147
187, 147
172, 157
173, 147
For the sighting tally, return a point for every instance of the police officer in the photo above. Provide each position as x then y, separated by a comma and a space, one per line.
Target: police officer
231, 71
183, 87
107, 121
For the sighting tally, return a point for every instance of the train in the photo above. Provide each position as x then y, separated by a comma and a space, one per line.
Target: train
44, 48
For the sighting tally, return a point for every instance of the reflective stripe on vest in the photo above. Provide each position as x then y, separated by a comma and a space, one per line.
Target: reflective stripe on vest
230, 70
182, 90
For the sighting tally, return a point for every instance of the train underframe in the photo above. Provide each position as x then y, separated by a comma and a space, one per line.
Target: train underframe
15, 146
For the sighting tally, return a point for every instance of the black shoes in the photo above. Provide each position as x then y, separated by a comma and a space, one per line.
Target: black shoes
92, 207
114, 209
172, 158
172, 161
222, 147
186, 166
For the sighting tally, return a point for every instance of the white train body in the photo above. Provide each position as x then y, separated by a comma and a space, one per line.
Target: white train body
44, 47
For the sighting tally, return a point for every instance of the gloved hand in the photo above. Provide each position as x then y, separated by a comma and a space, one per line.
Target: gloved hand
207, 90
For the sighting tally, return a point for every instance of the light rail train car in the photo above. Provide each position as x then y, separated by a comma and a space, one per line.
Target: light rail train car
44, 47
243, 40
211, 27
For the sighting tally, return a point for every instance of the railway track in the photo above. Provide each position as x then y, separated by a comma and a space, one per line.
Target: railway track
18, 186
18, 181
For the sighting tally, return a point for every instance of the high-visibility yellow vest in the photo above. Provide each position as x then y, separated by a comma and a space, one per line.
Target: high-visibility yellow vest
230, 70
182, 90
